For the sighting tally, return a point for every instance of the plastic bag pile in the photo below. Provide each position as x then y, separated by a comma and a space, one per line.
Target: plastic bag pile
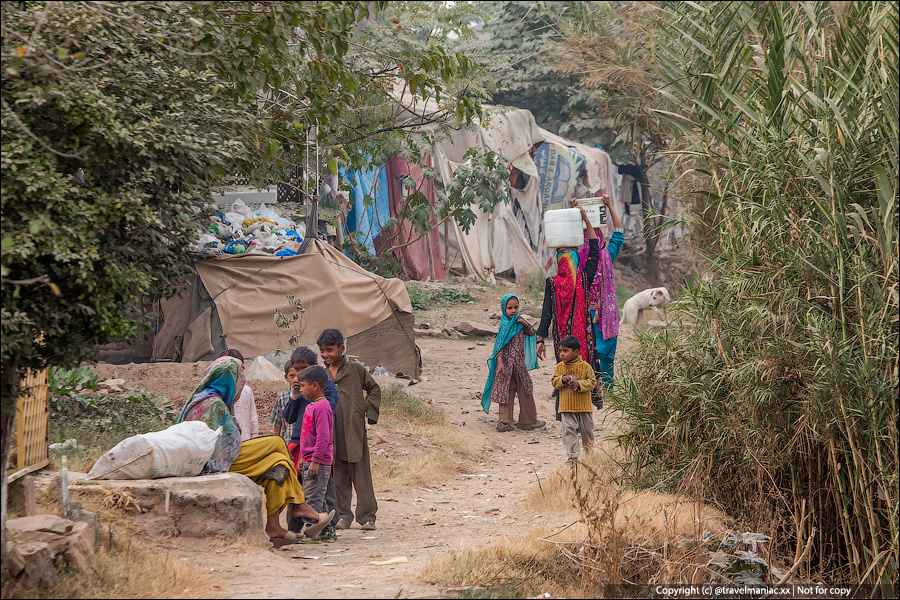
242, 229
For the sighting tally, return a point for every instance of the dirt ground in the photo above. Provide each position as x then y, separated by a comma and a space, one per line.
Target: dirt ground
418, 523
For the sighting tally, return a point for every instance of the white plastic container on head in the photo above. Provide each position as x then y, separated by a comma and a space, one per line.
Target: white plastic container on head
563, 227
595, 209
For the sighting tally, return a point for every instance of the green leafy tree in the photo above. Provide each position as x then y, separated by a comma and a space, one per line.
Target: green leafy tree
416, 65
522, 39
397, 116
519, 33
611, 48
117, 119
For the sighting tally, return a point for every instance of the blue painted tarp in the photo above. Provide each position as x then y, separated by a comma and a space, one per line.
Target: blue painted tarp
367, 221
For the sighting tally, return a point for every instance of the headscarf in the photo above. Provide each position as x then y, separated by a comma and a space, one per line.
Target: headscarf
507, 330
602, 295
211, 403
572, 316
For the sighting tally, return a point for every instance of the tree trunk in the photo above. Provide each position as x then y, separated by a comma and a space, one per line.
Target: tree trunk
7, 416
650, 225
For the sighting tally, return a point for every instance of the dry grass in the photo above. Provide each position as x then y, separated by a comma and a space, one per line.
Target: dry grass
619, 536
421, 449
556, 491
415, 469
513, 566
649, 517
132, 570
129, 565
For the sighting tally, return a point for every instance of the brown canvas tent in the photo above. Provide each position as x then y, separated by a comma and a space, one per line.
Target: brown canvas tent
232, 301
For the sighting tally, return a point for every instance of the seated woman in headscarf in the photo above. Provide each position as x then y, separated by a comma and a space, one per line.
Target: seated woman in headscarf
566, 297
265, 460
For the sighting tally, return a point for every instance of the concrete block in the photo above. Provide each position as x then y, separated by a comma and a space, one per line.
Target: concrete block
202, 506
22, 495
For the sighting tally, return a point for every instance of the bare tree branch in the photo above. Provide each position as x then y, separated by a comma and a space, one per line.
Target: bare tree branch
19, 122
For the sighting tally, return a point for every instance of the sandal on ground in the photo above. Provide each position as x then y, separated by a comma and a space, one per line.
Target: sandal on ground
530, 426
368, 526
504, 427
289, 538
313, 531
342, 524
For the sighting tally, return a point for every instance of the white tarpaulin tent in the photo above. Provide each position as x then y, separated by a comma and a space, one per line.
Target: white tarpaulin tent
511, 237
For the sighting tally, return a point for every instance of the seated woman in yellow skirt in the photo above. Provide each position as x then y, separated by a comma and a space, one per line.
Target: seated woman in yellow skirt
265, 460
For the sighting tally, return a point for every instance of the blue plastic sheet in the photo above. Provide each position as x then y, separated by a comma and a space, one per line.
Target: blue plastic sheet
367, 221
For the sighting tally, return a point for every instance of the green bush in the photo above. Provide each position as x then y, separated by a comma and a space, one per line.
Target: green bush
447, 297
777, 396
64, 381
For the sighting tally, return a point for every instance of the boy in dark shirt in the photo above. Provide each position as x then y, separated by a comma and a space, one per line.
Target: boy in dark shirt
294, 407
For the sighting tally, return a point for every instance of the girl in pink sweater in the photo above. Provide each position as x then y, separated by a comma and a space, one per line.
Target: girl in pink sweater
316, 437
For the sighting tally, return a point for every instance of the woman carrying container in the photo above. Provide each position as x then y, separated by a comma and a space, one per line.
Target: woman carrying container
575, 298
603, 304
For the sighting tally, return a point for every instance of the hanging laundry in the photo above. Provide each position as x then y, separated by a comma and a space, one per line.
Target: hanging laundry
367, 220
636, 172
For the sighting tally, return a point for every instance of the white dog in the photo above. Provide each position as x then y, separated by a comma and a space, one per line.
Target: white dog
654, 298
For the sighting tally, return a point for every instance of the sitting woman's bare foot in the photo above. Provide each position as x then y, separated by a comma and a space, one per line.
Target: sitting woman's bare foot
276, 532
304, 510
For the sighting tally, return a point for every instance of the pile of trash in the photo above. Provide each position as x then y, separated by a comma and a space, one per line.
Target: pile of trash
242, 229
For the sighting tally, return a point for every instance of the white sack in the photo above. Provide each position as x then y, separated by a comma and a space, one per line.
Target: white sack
179, 451
262, 369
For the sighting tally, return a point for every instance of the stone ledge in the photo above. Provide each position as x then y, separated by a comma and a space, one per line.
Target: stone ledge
202, 506
41, 545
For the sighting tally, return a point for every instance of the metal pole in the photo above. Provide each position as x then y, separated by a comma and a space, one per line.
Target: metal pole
64, 476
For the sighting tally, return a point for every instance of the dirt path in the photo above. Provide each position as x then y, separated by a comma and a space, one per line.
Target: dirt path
418, 523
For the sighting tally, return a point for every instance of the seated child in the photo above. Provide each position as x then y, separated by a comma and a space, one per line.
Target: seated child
575, 379
294, 407
244, 408
316, 441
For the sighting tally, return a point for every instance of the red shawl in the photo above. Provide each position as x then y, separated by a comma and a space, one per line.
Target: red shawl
570, 301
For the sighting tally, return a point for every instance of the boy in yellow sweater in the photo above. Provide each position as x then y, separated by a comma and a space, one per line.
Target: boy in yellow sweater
574, 378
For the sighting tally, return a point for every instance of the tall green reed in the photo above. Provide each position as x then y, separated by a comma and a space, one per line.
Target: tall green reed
782, 384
